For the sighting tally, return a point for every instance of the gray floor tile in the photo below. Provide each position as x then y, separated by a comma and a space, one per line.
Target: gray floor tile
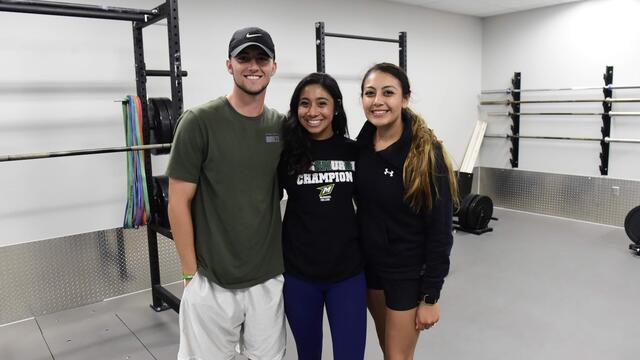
158, 332
23, 341
90, 332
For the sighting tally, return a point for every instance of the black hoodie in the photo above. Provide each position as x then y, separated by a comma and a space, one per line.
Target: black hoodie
397, 241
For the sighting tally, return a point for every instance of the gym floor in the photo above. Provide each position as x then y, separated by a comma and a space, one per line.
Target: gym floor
537, 287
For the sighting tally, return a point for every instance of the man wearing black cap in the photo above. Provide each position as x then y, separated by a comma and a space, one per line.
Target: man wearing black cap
224, 211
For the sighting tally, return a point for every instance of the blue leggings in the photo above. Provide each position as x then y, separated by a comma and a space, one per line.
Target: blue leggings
346, 304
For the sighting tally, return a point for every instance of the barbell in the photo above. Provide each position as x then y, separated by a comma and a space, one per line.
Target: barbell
577, 88
162, 125
612, 113
606, 139
558, 101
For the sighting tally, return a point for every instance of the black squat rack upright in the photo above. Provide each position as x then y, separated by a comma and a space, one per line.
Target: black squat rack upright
320, 45
140, 19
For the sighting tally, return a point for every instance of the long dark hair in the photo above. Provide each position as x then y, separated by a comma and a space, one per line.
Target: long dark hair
297, 147
420, 171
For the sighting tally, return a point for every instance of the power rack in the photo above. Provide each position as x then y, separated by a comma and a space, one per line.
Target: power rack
140, 19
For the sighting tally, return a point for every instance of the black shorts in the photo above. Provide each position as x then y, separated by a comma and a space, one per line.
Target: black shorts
399, 294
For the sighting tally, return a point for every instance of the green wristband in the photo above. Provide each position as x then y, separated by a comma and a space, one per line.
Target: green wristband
187, 276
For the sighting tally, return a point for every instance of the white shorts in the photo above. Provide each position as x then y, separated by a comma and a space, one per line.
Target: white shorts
217, 323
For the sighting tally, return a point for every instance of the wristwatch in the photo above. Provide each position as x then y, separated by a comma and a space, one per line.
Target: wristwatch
429, 299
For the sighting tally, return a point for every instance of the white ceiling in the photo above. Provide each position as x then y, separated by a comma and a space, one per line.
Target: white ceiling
483, 8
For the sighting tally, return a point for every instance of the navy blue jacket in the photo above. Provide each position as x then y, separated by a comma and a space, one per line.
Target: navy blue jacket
399, 242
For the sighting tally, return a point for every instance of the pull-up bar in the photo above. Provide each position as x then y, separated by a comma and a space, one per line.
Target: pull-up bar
358, 37
76, 10
320, 45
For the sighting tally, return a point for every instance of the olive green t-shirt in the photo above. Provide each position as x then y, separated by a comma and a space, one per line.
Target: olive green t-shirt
236, 208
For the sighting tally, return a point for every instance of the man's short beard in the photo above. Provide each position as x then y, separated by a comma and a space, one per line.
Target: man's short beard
249, 92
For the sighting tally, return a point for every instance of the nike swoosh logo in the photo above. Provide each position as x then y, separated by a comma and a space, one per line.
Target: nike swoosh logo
253, 35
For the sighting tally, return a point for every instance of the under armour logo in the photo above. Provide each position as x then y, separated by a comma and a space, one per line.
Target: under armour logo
252, 35
387, 172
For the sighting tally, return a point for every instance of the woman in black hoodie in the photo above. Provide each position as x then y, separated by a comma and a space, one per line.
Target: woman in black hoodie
406, 190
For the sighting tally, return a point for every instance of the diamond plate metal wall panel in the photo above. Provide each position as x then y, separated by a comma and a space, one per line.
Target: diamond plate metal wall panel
595, 199
51, 275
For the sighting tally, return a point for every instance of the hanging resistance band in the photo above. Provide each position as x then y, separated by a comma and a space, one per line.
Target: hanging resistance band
137, 210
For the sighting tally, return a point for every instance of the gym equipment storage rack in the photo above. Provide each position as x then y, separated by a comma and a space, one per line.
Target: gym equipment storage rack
140, 19
606, 115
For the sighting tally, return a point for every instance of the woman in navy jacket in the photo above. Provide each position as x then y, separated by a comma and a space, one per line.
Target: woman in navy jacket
406, 190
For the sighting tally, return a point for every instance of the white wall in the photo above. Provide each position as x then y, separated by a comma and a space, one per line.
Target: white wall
556, 47
62, 76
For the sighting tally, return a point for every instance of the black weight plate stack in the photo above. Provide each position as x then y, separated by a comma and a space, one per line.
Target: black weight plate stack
479, 212
162, 123
632, 225
161, 200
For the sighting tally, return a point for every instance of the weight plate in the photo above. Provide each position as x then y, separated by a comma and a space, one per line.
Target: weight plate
171, 124
632, 225
165, 117
154, 121
161, 126
463, 212
472, 214
165, 124
480, 212
161, 200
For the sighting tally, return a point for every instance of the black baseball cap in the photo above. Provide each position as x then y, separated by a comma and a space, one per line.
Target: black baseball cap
251, 36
